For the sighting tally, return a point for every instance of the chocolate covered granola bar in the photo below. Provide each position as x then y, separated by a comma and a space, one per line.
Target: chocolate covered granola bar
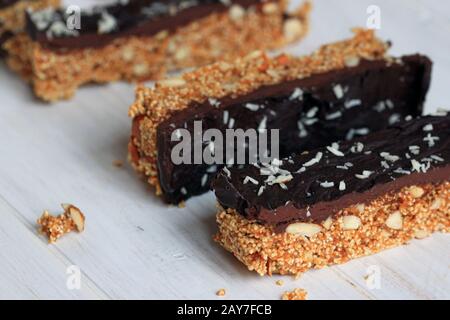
341, 91
140, 40
340, 202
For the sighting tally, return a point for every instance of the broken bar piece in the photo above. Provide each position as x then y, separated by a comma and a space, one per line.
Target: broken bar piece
141, 40
341, 91
340, 202
12, 16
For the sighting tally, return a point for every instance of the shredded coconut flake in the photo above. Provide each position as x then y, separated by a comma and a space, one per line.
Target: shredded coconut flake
327, 184
365, 175
338, 91
314, 160
250, 179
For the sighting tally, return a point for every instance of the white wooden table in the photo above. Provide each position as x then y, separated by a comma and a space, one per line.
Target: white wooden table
136, 247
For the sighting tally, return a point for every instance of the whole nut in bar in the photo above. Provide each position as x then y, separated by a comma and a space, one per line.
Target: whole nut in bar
421, 234
172, 82
395, 221
236, 12
303, 229
327, 223
269, 8
76, 215
417, 192
351, 222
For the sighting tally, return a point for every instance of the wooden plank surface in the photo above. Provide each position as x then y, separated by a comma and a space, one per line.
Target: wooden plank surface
134, 246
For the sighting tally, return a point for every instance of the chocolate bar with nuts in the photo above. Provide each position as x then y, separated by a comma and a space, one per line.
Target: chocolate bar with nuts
12, 16
343, 90
336, 203
140, 40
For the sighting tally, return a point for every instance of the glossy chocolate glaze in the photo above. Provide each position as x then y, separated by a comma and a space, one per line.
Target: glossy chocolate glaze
135, 18
404, 84
310, 195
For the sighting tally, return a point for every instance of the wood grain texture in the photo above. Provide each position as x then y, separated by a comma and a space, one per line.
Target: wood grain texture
134, 247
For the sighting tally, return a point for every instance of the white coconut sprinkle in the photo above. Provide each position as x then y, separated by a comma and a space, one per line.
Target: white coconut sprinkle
204, 180
388, 157
283, 186
415, 150
231, 123
214, 102
380, 106
282, 179
297, 94
250, 179
402, 171
357, 147
431, 140
301, 170
361, 132
394, 118
335, 151
302, 130
252, 106
227, 172
327, 184
177, 134
385, 165
262, 125
342, 186
310, 122
352, 103
417, 166
314, 160
365, 174
312, 112
107, 23
261, 190
226, 116
428, 127
308, 212
390, 104
338, 91
333, 116
437, 158
277, 162
183, 191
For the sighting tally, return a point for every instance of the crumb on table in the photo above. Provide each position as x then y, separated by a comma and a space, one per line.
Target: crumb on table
55, 227
296, 294
118, 163
279, 283
221, 292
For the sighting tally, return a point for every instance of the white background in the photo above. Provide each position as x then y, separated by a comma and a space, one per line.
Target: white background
136, 247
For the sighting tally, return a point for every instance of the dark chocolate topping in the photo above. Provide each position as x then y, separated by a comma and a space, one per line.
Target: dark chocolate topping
7, 3
101, 25
326, 180
333, 106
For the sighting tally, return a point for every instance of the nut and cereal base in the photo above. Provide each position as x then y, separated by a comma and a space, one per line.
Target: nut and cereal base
389, 221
